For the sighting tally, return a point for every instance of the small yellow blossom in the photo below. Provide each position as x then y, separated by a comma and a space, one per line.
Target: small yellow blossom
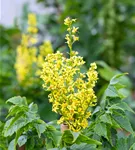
44, 50
25, 40
32, 21
75, 38
69, 21
71, 37
32, 24
32, 29
74, 30
32, 40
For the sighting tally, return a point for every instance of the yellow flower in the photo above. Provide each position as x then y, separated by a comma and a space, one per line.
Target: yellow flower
24, 60
71, 97
31, 29
32, 24
32, 21
25, 40
75, 38
33, 40
27, 56
44, 50
69, 21
74, 30
71, 36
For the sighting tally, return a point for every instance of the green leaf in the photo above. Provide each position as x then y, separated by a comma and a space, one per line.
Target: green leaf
3, 140
67, 137
97, 109
75, 135
112, 135
116, 79
132, 147
101, 130
111, 92
54, 149
30, 143
125, 106
2, 147
115, 124
18, 134
33, 108
57, 135
121, 106
12, 126
15, 109
57, 148
31, 116
84, 139
12, 145
115, 106
83, 146
131, 141
123, 121
54, 135
106, 118
7, 124
50, 128
22, 140
25, 100
115, 87
40, 128
113, 100
17, 100
121, 144
106, 71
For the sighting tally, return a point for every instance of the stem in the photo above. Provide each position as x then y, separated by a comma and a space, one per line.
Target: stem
70, 44
70, 48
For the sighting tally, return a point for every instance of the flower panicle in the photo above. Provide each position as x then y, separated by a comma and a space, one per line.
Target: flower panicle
27, 53
71, 95
71, 37
71, 91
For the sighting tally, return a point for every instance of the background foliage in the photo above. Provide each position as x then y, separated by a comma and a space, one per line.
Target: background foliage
106, 31
109, 126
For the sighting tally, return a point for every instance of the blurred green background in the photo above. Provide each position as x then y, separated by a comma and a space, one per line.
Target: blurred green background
107, 36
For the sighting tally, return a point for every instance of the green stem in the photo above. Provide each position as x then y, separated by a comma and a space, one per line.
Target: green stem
70, 44
70, 48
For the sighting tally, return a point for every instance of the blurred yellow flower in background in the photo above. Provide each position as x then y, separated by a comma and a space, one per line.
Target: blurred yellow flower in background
29, 58
32, 23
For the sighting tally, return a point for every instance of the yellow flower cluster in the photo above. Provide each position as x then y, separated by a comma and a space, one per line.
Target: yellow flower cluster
72, 31
24, 62
71, 90
26, 56
27, 60
44, 50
